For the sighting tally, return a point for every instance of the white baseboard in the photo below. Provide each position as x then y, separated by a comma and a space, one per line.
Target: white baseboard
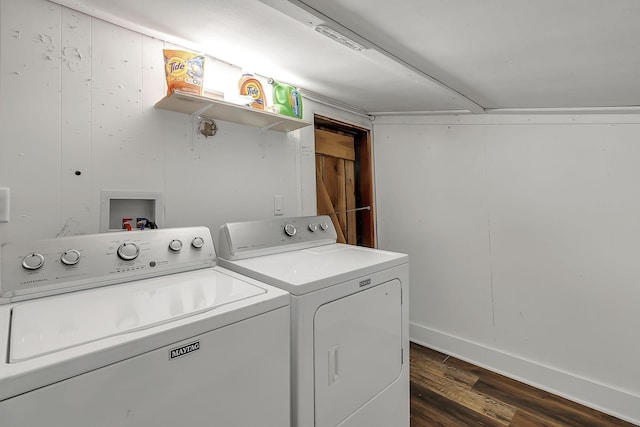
604, 398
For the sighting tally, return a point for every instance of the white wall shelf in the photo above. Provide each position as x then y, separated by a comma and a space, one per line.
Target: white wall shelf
210, 108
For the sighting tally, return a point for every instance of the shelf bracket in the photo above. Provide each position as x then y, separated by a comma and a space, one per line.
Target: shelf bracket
196, 114
264, 129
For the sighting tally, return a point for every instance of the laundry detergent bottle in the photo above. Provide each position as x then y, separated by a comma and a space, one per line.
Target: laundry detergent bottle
286, 99
249, 85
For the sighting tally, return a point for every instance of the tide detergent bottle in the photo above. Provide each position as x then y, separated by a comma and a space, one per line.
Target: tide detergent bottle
286, 99
249, 85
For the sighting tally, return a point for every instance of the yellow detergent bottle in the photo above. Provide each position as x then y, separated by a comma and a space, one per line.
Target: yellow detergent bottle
286, 99
249, 85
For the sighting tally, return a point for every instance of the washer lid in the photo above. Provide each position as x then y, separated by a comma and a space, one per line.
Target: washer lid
47, 325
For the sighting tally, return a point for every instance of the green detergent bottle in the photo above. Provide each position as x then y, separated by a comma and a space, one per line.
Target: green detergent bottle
286, 99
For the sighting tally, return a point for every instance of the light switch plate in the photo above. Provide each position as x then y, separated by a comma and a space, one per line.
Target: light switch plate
278, 205
4, 205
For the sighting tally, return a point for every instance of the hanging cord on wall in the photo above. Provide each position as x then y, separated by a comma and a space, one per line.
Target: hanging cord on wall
365, 208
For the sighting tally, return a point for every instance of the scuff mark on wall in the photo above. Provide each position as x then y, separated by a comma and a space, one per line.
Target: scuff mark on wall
72, 53
74, 27
69, 228
72, 57
47, 41
69, 55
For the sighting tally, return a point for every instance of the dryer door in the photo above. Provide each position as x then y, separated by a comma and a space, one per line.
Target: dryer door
357, 349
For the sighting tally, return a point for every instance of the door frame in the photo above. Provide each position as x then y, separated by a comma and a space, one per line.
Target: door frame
364, 183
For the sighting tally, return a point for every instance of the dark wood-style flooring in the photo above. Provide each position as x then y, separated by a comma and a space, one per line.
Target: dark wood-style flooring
450, 392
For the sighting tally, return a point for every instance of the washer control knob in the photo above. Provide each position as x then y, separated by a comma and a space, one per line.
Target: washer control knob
197, 242
290, 230
33, 261
128, 251
175, 245
313, 228
70, 257
324, 226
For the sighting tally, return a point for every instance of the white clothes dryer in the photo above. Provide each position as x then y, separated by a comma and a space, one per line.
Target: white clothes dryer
349, 318
139, 329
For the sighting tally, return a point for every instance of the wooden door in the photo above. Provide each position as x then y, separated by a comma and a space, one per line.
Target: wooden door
344, 179
335, 182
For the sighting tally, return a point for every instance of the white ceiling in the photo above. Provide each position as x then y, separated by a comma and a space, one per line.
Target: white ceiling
424, 55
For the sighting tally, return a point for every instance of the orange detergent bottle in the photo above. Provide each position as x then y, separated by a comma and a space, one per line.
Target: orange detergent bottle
249, 85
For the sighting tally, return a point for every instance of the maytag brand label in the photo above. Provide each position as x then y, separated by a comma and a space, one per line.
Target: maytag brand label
365, 282
183, 350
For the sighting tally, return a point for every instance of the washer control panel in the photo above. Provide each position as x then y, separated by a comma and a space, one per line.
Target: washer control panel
43, 267
240, 240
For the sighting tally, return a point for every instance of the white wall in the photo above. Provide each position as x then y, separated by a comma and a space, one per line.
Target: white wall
523, 234
523, 231
78, 94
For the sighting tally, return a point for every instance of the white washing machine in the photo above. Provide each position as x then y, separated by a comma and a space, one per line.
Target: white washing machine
141, 329
349, 318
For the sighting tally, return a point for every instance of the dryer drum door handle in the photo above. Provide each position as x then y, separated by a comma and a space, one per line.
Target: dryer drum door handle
333, 365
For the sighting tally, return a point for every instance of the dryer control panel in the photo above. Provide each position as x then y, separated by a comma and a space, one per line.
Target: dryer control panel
241, 240
31, 269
